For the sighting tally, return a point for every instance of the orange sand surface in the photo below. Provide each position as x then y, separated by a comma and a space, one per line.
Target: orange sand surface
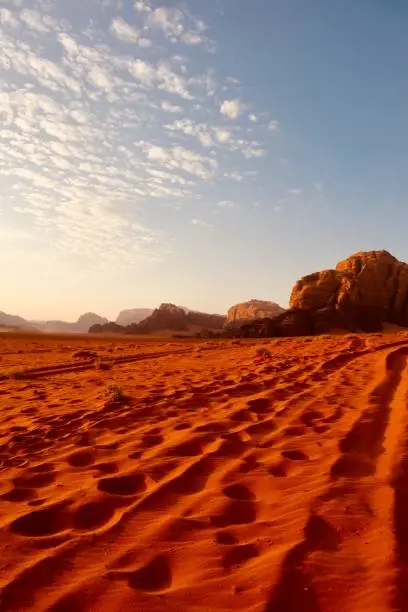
261, 476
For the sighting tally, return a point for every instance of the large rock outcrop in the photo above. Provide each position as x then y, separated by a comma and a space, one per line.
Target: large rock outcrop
363, 292
242, 313
373, 284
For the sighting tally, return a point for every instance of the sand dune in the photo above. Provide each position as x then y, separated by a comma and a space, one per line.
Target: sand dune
221, 476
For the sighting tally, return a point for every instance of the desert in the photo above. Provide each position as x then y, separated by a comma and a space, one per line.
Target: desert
148, 474
203, 306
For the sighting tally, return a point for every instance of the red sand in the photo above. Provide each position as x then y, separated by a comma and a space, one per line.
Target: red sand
222, 480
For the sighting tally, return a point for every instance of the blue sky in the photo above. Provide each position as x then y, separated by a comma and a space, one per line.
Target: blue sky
202, 153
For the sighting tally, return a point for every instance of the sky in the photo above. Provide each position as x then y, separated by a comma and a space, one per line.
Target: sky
198, 153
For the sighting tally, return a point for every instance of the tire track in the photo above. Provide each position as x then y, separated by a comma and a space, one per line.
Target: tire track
360, 450
67, 368
363, 444
399, 485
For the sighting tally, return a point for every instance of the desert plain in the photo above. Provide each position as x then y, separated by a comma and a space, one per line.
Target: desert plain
163, 475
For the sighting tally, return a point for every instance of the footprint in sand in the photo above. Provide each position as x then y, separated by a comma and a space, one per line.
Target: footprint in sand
34, 481
294, 455
154, 576
19, 495
127, 484
81, 458
235, 512
238, 555
42, 523
226, 538
279, 470
93, 515
238, 491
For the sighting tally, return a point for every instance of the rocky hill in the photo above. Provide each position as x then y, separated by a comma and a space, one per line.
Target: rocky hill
169, 318
133, 315
82, 325
107, 328
14, 321
360, 294
254, 309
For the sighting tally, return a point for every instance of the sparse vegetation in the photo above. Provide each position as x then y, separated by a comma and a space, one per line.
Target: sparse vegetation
115, 393
19, 374
263, 353
85, 354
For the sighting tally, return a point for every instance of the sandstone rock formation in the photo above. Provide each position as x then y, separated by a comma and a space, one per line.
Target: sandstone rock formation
372, 282
107, 328
168, 318
363, 292
248, 311
133, 315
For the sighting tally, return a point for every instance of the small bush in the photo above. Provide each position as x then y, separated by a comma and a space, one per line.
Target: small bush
19, 374
85, 354
115, 393
263, 353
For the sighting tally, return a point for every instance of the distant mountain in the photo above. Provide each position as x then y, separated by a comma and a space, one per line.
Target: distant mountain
82, 325
169, 318
8, 320
107, 328
89, 318
133, 315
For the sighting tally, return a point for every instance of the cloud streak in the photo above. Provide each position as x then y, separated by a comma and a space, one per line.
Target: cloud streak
106, 122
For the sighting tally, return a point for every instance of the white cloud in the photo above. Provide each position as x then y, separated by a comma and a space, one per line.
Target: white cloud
100, 78
169, 20
175, 24
191, 38
170, 108
273, 125
190, 128
124, 31
182, 159
231, 108
160, 76
142, 71
33, 20
226, 204
7, 18
70, 114
209, 135
295, 191
252, 117
142, 7
201, 223
235, 176
222, 135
